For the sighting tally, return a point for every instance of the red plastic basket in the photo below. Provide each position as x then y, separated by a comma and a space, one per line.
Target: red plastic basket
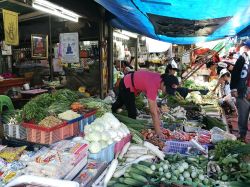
89, 113
119, 145
45, 135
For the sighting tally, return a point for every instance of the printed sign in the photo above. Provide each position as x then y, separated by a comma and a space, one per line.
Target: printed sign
69, 45
11, 33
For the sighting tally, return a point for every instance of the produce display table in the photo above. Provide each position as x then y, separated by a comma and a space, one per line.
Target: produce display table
93, 147
9, 83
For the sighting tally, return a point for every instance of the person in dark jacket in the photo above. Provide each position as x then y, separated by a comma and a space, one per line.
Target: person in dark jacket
239, 89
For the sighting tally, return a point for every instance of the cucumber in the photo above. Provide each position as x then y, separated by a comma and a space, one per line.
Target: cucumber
126, 175
111, 182
133, 182
138, 177
137, 171
121, 180
148, 164
120, 185
144, 168
238, 184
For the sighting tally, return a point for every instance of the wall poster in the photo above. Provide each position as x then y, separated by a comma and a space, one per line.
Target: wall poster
39, 46
69, 45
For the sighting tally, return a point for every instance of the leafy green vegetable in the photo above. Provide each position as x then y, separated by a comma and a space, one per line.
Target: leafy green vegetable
98, 104
38, 108
65, 95
242, 149
211, 122
222, 148
139, 102
192, 85
8, 114
59, 107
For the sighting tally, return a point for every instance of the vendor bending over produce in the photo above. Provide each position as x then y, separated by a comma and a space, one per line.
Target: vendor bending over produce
149, 83
224, 82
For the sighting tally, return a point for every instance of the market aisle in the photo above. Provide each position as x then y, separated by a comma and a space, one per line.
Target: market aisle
232, 122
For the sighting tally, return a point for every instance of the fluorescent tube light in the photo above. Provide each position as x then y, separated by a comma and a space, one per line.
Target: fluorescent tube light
54, 9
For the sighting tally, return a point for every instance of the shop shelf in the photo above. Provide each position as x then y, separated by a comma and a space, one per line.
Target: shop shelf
15, 131
45, 135
172, 147
105, 155
119, 145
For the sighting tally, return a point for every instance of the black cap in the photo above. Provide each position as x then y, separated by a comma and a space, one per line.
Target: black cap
169, 81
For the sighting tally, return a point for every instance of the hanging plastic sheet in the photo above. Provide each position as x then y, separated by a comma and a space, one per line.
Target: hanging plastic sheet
244, 32
181, 22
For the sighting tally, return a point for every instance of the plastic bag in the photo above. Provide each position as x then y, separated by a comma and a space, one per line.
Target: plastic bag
220, 135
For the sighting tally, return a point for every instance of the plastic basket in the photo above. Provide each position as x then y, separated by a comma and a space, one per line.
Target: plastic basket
75, 120
88, 118
15, 131
105, 155
119, 145
172, 147
45, 135
189, 128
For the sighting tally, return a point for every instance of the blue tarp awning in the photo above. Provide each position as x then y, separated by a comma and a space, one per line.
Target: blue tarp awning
180, 21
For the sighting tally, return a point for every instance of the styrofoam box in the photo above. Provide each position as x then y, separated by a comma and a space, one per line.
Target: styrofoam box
41, 181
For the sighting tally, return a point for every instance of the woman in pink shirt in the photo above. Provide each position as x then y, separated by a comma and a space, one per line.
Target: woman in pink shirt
148, 83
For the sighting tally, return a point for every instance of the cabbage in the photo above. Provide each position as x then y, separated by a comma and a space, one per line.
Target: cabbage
120, 133
112, 134
86, 137
117, 139
94, 136
106, 125
94, 147
111, 119
125, 128
105, 136
103, 144
109, 141
87, 129
98, 127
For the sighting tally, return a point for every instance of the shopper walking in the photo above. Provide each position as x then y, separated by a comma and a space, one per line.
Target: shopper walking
148, 83
238, 86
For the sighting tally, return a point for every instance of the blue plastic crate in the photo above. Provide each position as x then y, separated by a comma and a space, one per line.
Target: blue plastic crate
172, 147
82, 124
91, 118
105, 155
75, 120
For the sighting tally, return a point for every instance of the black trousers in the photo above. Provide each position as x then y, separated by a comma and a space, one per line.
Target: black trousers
127, 98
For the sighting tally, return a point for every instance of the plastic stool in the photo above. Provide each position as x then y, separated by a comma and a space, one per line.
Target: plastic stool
5, 101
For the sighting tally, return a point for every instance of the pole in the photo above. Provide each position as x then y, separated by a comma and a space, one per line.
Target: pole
101, 53
110, 58
50, 52
136, 53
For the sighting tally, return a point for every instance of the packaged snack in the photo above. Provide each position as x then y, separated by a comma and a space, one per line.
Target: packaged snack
16, 165
8, 176
11, 153
90, 172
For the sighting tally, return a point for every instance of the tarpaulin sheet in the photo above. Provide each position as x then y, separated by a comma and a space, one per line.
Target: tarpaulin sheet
244, 32
217, 18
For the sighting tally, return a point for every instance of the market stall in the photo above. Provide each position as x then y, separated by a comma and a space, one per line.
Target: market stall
81, 141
